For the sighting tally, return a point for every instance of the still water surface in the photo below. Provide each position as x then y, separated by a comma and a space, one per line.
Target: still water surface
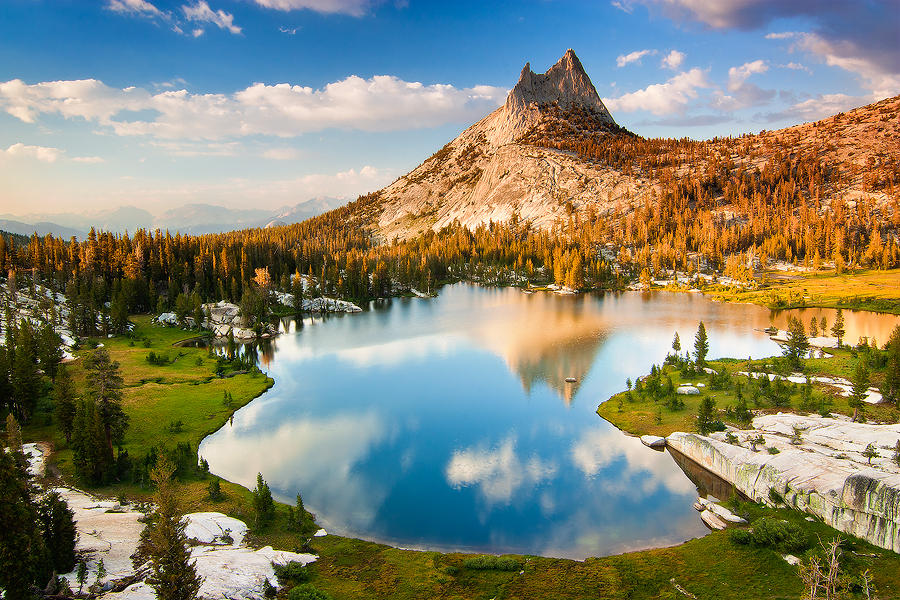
447, 423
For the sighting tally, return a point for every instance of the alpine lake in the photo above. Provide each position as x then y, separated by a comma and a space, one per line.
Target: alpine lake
448, 423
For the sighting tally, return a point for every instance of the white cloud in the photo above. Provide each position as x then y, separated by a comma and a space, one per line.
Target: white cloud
202, 13
781, 35
137, 7
381, 103
636, 56
281, 154
738, 75
288, 30
817, 108
673, 60
46, 154
498, 472
743, 94
197, 32
662, 98
41, 153
794, 66
355, 8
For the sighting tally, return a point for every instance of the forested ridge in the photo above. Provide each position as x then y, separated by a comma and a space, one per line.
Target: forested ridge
720, 204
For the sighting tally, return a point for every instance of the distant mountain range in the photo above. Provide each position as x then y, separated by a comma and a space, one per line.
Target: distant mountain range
190, 219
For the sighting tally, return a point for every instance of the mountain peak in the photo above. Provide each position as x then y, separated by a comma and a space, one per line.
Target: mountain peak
565, 83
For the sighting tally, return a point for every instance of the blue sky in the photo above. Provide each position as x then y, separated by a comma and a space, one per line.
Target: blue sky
265, 103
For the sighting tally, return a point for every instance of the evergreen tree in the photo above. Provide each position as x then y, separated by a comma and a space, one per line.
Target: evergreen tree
297, 292
105, 386
797, 343
892, 373
23, 555
860, 386
25, 379
706, 416
89, 443
262, 502
58, 528
837, 329
164, 544
676, 343
64, 402
701, 346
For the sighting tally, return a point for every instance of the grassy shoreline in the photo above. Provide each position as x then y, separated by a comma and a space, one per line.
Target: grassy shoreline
872, 290
188, 390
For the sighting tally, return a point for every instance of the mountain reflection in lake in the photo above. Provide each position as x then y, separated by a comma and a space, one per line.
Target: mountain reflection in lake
447, 423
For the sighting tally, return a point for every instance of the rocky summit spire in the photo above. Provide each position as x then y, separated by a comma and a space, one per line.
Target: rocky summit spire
565, 83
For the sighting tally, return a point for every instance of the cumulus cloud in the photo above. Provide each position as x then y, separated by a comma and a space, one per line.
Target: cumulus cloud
134, 7
355, 8
662, 98
742, 93
41, 153
381, 103
813, 109
860, 37
202, 13
46, 154
673, 60
498, 472
636, 56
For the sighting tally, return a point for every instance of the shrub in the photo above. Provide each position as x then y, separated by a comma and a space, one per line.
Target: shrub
292, 572
487, 562
781, 536
307, 591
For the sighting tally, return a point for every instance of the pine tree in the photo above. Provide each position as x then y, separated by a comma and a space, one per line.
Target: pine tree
23, 554
262, 502
89, 443
58, 528
706, 416
64, 402
859, 389
676, 343
701, 346
837, 329
105, 386
164, 544
892, 373
797, 343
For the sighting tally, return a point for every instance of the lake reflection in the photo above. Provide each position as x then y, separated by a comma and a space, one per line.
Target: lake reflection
447, 423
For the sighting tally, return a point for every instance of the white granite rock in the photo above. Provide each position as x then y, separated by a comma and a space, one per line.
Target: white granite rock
214, 528
689, 390
653, 441
825, 475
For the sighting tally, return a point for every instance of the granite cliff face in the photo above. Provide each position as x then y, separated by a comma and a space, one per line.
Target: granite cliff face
826, 474
489, 173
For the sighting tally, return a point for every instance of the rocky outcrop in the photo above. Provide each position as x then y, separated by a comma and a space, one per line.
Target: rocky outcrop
110, 532
224, 318
817, 466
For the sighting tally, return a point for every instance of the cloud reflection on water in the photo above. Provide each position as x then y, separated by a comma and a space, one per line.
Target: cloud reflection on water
498, 472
